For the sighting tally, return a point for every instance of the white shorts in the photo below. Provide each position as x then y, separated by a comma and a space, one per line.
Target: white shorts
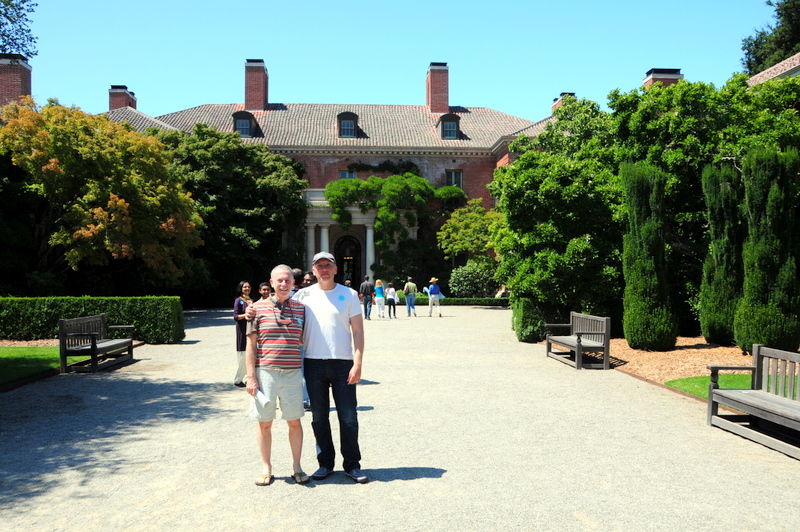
283, 384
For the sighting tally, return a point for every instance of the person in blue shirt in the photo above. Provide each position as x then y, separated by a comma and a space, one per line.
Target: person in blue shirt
434, 294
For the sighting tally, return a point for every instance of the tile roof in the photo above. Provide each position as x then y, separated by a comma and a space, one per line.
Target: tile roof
403, 126
137, 119
785, 69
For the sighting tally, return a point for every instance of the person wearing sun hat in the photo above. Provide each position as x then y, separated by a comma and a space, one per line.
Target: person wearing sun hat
334, 342
434, 294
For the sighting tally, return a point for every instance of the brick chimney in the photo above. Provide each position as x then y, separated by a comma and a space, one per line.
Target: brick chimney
667, 76
119, 96
256, 85
437, 88
558, 102
15, 77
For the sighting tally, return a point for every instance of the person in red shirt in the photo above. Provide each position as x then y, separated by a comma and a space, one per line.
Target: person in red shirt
274, 370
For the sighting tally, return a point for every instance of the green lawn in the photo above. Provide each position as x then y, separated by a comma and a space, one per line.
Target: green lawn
17, 363
699, 385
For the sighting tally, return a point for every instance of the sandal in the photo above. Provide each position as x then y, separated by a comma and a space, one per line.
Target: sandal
264, 480
300, 477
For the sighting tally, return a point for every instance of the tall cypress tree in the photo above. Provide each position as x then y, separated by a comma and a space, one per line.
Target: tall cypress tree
649, 322
767, 312
721, 286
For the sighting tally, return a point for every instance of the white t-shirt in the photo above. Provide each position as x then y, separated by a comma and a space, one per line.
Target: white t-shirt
327, 328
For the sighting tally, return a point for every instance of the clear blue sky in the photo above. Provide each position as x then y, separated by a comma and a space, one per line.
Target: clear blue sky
514, 56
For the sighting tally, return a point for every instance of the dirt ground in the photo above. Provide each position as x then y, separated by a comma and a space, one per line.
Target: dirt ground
689, 358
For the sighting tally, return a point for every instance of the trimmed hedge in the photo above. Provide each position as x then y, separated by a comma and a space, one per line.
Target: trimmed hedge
527, 320
422, 301
157, 320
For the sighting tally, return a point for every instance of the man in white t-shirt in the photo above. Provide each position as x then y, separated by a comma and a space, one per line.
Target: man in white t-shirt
334, 346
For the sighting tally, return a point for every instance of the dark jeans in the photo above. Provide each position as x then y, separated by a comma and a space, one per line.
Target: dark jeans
322, 375
367, 306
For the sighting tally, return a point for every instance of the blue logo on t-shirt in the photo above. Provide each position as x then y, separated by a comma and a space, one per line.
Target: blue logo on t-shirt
341, 298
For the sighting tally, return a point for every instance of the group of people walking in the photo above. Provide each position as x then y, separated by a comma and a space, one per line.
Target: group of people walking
387, 296
315, 332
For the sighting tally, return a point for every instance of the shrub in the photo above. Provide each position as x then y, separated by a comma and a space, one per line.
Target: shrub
476, 279
648, 320
766, 312
721, 286
527, 320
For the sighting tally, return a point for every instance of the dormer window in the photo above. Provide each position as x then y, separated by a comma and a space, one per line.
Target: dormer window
244, 124
348, 125
243, 127
448, 127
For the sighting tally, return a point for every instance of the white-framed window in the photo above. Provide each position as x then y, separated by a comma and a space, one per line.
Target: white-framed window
243, 127
347, 174
454, 178
348, 125
347, 129
448, 126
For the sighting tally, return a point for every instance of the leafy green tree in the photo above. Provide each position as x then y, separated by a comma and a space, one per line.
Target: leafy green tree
396, 199
722, 271
251, 201
107, 194
677, 129
15, 35
774, 43
767, 311
467, 231
561, 246
649, 321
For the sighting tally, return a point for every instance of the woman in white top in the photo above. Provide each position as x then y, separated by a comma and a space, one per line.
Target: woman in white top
391, 295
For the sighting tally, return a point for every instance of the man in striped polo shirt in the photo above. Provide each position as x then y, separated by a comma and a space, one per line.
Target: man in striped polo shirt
274, 368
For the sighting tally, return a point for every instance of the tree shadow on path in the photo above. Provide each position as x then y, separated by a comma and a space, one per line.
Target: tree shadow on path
78, 422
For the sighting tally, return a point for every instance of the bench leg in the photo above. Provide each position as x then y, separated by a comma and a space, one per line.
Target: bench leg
713, 407
547, 347
578, 356
94, 360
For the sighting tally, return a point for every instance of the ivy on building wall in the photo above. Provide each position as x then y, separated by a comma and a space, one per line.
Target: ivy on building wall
400, 167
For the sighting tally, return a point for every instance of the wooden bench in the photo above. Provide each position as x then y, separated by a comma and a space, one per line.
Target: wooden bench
87, 337
587, 334
773, 397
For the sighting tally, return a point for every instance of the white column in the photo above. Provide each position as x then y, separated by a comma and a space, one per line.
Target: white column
324, 245
310, 237
370, 249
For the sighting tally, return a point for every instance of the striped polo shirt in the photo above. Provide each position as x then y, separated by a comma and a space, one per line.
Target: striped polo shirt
279, 338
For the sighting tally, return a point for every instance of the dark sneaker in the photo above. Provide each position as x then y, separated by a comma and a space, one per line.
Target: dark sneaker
321, 473
307, 406
358, 476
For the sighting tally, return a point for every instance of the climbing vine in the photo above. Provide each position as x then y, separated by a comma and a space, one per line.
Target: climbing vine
400, 167
395, 198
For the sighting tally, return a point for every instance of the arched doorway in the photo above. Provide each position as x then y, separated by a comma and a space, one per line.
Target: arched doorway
348, 257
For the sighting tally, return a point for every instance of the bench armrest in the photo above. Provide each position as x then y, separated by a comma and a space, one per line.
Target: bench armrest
714, 382
588, 332
554, 325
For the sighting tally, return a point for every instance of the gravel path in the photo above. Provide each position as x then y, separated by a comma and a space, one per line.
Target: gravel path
462, 427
